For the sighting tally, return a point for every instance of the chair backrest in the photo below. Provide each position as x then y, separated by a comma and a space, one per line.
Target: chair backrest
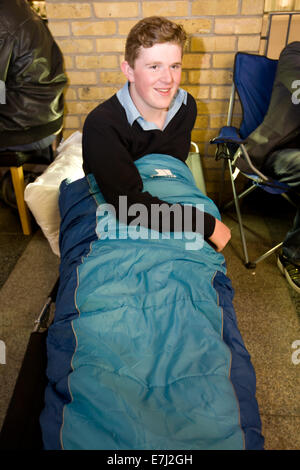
253, 77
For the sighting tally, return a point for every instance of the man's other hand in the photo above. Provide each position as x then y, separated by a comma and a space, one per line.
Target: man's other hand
221, 236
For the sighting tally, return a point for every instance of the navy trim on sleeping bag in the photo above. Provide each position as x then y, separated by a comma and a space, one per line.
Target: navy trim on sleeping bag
79, 242
77, 232
242, 374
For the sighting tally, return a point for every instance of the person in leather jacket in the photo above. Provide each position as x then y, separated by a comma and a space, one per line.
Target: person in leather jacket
32, 79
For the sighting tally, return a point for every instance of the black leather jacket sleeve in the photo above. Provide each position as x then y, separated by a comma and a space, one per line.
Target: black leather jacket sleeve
6, 47
31, 66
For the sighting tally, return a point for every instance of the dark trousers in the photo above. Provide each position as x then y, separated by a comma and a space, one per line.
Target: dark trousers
39, 145
284, 166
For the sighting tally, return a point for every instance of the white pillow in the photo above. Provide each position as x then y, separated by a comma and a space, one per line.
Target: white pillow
42, 195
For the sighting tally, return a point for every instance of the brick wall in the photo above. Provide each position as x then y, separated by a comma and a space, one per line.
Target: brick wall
92, 34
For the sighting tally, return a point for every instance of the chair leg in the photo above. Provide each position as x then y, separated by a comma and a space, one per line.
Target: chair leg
19, 187
222, 183
238, 213
241, 196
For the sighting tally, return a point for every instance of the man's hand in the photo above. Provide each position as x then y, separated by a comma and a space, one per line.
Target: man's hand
220, 236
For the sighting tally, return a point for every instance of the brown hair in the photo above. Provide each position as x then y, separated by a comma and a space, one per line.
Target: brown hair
150, 31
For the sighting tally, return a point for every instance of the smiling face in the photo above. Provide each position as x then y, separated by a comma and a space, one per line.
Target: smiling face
154, 79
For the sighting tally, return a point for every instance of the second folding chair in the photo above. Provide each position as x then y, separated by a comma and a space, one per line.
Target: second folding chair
253, 78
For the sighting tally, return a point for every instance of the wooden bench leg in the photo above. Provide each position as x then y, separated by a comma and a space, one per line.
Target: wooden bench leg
19, 187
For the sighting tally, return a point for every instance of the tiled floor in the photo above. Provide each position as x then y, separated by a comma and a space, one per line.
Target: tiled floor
28, 272
12, 241
268, 313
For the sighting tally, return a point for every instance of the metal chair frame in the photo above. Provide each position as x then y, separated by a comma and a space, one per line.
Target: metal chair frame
257, 178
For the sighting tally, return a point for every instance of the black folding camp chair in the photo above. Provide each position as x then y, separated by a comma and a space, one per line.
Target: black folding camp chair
253, 78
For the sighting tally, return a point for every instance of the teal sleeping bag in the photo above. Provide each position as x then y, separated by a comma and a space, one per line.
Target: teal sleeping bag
150, 368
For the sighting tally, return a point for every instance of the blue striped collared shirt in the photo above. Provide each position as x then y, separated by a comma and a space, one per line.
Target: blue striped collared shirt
133, 114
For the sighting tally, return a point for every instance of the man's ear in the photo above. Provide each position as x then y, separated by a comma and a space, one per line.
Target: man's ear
127, 70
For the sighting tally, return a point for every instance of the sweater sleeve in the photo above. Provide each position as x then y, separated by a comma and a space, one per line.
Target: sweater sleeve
105, 155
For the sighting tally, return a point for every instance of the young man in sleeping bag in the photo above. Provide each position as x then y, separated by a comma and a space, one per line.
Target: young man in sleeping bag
149, 115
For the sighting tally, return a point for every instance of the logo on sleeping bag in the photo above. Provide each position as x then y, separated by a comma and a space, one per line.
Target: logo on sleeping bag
163, 172
133, 220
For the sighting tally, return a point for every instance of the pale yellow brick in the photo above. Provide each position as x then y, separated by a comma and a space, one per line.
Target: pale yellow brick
213, 43
71, 122
265, 24
167, 8
184, 77
70, 94
116, 9
223, 61
110, 45
95, 28
216, 77
195, 61
212, 107
196, 25
68, 10
96, 62
59, 28
201, 148
249, 43
238, 25
203, 135
80, 107
220, 92
201, 122
214, 7
67, 133
69, 46
121, 59
210, 151
82, 120
198, 92
297, 5
262, 47
252, 7
124, 26
68, 62
82, 78
109, 61
96, 93
216, 122
112, 78
88, 62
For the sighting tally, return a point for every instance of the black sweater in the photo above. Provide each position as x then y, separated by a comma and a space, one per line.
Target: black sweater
111, 145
